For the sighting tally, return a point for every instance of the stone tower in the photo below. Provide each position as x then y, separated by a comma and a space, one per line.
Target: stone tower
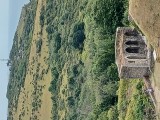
132, 55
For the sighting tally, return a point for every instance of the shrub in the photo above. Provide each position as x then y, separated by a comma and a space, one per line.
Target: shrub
38, 45
109, 14
78, 38
78, 26
78, 35
42, 16
53, 86
57, 42
71, 101
50, 29
55, 72
112, 114
112, 73
71, 81
65, 16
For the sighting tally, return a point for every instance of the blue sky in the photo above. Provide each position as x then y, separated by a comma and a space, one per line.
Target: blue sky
4, 13
9, 11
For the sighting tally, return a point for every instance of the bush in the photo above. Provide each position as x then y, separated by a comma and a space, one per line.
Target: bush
78, 35
70, 101
78, 38
112, 114
109, 14
71, 81
53, 86
65, 16
57, 42
55, 73
50, 29
78, 26
38, 45
42, 16
112, 73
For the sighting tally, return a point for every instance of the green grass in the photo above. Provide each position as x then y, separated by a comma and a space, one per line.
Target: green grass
133, 103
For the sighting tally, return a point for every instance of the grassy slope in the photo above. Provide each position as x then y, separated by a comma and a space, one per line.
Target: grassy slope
146, 15
133, 103
34, 99
37, 88
19, 56
80, 88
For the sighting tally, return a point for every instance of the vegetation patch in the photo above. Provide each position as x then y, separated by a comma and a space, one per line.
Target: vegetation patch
38, 45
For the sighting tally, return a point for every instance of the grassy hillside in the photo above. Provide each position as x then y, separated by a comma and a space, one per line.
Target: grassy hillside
133, 102
151, 29
19, 56
63, 64
81, 36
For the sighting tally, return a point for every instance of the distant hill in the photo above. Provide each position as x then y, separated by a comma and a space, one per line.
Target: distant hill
15, 8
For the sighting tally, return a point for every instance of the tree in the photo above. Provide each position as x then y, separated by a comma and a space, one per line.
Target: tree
38, 45
78, 35
109, 14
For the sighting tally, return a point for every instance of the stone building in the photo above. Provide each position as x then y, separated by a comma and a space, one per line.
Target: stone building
133, 58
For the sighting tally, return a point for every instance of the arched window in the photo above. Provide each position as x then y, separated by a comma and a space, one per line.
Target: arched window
132, 49
131, 43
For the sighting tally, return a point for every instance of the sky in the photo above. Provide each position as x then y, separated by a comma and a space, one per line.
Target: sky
10, 12
4, 13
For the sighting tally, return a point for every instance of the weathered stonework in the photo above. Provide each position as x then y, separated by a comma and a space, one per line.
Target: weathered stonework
132, 56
